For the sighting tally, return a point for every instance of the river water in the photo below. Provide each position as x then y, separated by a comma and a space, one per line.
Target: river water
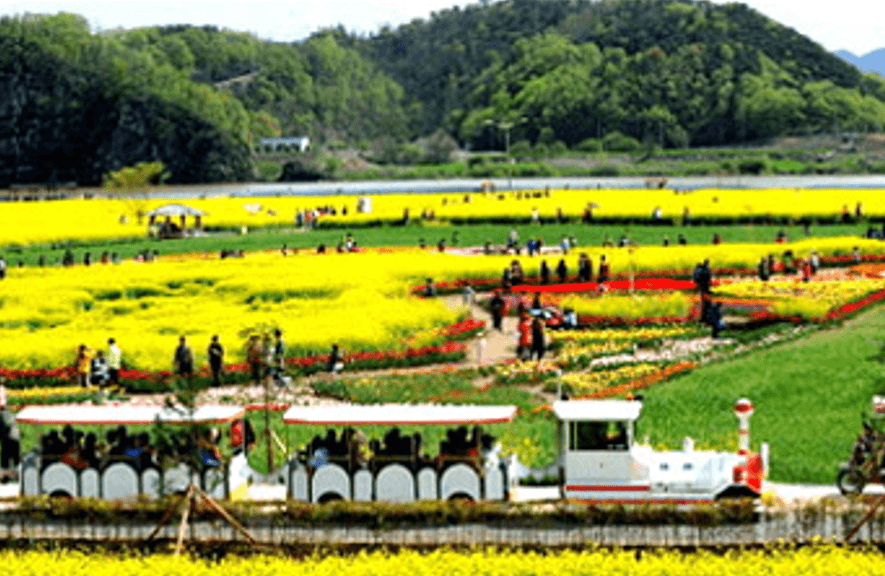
370, 187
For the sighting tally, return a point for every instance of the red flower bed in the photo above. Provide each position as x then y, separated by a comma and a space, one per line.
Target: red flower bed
638, 284
615, 321
464, 328
836, 314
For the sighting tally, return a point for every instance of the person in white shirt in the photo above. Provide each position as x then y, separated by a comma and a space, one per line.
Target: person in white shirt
114, 361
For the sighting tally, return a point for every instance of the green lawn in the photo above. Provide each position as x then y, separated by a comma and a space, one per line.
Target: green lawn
473, 235
809, 395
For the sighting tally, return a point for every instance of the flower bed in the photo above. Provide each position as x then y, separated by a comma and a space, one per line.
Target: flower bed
643, 381
583, 383
802, 301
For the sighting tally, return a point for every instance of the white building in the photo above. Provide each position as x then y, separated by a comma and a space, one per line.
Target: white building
302, 143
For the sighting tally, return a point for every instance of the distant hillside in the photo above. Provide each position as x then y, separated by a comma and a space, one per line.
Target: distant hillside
676, 72
872, 62
76, 106
542, 75
322, 87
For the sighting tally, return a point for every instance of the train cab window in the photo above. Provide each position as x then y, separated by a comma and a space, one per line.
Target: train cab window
598, 436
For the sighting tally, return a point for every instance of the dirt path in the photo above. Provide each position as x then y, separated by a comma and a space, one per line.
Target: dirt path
493, 346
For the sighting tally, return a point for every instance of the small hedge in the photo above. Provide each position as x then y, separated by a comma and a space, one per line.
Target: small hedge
381, 515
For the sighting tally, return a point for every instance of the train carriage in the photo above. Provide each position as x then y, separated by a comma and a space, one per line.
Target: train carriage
118, 478
398, 469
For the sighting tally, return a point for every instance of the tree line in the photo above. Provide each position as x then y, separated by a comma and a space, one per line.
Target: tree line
543, 74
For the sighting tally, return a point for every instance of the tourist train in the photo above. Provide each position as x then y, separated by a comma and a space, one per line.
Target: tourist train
599, 457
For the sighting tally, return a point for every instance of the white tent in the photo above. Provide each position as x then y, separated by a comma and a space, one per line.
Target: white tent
118, 414
175, 210
398, 415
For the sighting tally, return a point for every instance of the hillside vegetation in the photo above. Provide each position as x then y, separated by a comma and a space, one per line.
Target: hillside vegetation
545, 75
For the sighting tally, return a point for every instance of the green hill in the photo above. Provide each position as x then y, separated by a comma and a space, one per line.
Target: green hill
672, 72
76, 105
550, 73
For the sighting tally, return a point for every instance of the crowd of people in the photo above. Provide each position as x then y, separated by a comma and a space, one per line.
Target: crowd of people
354, 450
266, 357
198, 446
99, 368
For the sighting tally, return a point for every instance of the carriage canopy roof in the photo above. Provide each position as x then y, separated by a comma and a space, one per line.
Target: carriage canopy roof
597, 410
116, 414
398, 414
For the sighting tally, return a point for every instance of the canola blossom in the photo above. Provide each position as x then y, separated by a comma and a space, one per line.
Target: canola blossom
805, 299
633, 335
829, 560
582, 383
102, 218
358, 303
361, 301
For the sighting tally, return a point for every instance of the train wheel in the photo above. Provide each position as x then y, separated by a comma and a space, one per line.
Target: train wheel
850, 482
461, 498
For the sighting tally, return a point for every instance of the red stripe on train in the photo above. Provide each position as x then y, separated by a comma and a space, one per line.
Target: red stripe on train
603, 488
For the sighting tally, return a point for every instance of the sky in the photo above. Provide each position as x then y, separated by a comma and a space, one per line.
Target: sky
853, 25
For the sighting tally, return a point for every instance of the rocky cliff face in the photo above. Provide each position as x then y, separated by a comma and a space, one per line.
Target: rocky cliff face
59, 124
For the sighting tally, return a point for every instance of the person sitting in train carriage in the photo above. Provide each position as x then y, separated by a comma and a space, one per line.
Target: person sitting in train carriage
51, 449
208, 454
90, 453
117, 442
358, 450
72, 456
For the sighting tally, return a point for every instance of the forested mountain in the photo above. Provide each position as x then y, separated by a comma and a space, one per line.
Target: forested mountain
322, 87
75, 106
675, 71
555, 73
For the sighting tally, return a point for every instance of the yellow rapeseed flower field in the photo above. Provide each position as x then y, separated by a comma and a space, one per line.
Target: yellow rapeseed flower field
360, 301
101, 218
822, 560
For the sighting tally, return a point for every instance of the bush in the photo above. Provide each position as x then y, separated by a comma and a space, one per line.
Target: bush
754, 166
618, 142
590, 145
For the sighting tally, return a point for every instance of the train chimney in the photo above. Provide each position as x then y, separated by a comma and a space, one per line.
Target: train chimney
743, 409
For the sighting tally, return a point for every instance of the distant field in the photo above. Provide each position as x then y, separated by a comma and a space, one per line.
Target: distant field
30, 223
475, 235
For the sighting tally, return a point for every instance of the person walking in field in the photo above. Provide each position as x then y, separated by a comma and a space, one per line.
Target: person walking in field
603, 270
114, 361
497, 307
538, 346
255, 357
562, 271
183, 359
215, 353
276, 357
524, 347
83, 364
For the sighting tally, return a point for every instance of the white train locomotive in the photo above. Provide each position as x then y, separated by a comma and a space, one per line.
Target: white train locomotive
599, 460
